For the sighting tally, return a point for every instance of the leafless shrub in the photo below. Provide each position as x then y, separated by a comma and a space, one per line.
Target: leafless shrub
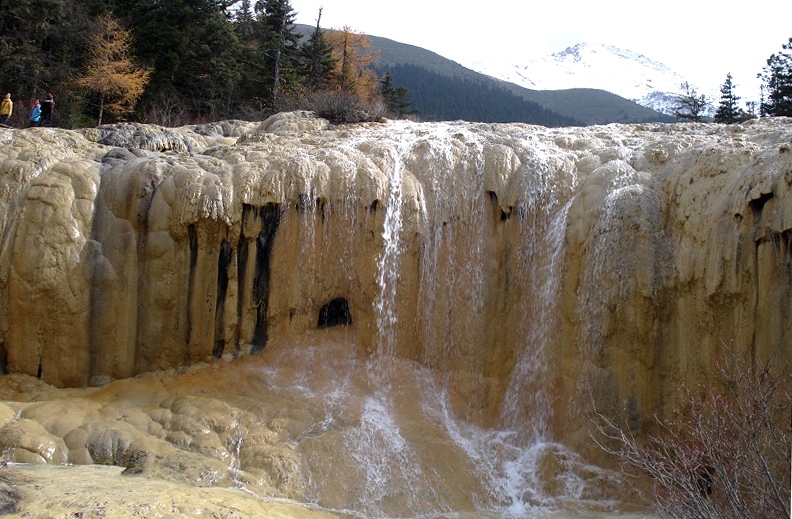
725, 455
166, 110
337, 106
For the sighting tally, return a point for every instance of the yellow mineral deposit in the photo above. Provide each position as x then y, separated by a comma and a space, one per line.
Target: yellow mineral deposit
293, 319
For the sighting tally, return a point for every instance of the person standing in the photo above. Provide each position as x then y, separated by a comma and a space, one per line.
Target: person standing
35, 115
47, 110
6, 108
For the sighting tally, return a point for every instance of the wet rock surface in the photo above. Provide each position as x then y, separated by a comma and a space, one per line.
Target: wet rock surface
530, 271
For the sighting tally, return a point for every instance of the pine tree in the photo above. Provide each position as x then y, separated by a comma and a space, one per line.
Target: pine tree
728, 111
777, 87
690, 105
111, 72
396, 98
279, 43
193, 51
243, 21
316, 63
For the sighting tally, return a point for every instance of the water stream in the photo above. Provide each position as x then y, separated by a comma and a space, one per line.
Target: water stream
404, 448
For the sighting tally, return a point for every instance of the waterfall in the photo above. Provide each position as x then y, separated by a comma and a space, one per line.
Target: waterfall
451, 290
528, 400
388, 262
485, 293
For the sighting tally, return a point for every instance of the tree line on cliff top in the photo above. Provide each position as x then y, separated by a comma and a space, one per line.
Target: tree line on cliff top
775, 96
185, 61
189, 61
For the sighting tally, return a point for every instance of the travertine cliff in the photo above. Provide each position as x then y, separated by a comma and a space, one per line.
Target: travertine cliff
400, 285
530, 264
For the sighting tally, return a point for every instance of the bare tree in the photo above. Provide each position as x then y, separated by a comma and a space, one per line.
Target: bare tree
690, 105
725, 455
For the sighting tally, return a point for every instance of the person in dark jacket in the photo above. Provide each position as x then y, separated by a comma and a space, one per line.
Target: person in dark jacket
47, 110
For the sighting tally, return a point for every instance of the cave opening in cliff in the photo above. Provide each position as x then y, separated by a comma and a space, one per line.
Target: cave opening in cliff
335, 313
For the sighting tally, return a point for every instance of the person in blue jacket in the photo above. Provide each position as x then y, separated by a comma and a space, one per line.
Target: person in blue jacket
35, 115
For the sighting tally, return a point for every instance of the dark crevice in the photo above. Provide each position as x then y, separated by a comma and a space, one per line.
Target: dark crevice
493, 197
223, 262
270, 219
782, 243
193, 240
335, 313
38, 373
3, 360
372, 208
242, 257
758, 204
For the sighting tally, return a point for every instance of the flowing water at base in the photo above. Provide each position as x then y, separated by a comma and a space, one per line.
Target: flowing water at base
307, 421
399, 450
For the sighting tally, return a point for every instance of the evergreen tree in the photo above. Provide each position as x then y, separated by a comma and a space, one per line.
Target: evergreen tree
42, 46
27, 28
243, 21
777, 87
193, 50
252, 68
396, 98
690, 105
728, 111
279, 44
316, 63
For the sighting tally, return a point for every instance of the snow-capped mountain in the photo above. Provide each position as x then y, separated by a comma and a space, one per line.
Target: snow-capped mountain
592, 65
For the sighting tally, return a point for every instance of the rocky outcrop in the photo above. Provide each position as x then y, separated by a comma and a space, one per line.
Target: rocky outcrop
534, 266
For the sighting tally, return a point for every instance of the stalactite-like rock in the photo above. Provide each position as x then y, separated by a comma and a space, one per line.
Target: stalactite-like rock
531, 258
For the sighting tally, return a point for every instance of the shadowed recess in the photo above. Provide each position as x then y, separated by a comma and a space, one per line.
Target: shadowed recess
335, 313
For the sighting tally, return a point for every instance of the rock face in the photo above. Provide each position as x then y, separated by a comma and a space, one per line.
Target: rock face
536, 267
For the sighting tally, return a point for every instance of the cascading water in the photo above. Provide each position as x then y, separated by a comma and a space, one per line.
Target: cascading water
480, 282
507, 463
388, 263
234, 445
527, 401
451, 292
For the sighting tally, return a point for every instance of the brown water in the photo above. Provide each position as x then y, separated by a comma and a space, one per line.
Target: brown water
306, 429
94, 491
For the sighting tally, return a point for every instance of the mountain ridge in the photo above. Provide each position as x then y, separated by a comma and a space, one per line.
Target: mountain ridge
430, 77
623, 72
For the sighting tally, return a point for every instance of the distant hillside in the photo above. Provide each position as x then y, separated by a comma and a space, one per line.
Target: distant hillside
594, 65
441, 89
441, 98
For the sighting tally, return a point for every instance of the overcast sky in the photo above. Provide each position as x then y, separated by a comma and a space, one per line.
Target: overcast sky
702, 40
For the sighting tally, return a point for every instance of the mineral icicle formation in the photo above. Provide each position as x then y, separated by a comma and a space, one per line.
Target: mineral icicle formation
537, 267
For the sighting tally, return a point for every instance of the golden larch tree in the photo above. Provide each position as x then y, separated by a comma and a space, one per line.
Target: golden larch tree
354, 61
111, 72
